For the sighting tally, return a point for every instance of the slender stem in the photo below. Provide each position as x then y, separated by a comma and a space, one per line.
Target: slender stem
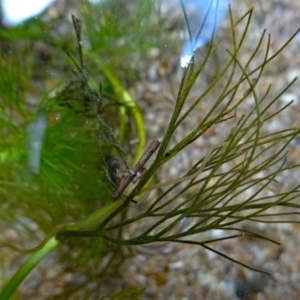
26, 268
131, 104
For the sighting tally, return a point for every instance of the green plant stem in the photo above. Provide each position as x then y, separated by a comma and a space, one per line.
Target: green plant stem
24, 270
128, 102
94, 220
87, 226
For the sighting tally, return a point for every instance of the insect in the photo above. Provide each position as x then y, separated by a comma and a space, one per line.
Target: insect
136, 172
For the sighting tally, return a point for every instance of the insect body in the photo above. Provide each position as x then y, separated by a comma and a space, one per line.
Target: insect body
136, 172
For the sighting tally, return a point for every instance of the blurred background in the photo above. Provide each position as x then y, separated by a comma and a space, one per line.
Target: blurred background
49, 148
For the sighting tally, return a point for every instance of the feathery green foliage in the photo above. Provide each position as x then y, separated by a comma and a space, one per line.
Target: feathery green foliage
70, 197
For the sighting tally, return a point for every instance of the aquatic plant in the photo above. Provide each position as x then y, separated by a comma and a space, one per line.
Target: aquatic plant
70, 198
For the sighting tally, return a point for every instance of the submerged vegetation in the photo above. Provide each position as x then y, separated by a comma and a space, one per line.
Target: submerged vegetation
66, 195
